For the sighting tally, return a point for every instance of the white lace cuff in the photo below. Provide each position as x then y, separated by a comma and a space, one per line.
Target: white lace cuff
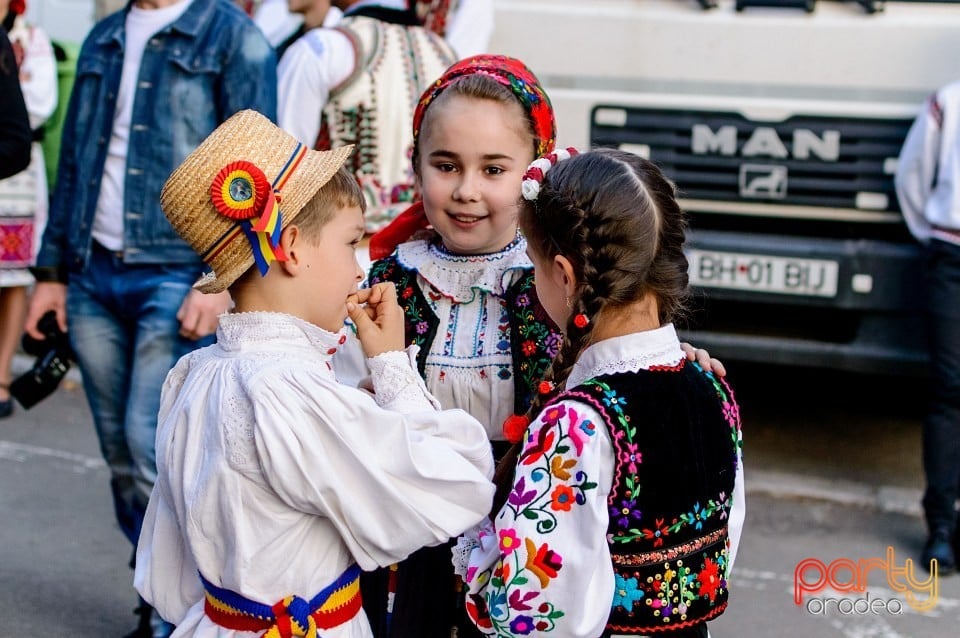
397, 384
461, 555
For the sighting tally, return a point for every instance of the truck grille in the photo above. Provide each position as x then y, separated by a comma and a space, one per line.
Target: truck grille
819, 169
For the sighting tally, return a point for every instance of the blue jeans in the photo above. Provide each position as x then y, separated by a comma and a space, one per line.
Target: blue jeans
123, 326
941, 428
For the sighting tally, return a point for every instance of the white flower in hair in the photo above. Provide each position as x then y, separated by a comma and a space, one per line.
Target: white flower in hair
530, 186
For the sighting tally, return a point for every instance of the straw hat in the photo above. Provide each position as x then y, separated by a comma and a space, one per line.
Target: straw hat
272, 166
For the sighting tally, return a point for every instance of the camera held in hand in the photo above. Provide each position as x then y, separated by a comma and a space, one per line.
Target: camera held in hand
53, 354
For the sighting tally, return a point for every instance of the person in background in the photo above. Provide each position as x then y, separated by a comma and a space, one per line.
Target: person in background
358, 84
152, 82
23, 197
15, 133
928, 187
466, 25
624, 495
310, 14
276, 21
103, 8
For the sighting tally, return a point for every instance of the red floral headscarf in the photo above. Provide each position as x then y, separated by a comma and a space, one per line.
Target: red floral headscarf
18, 6
509, 72
514, 75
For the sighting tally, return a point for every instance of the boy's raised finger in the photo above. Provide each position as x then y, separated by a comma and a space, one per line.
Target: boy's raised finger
387, 292
360, 316
359, 297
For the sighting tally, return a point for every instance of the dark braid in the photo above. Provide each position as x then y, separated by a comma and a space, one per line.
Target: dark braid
614, 216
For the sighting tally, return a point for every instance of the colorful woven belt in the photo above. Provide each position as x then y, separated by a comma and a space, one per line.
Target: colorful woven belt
292, 616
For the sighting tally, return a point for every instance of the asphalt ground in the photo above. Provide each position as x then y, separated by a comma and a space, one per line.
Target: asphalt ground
832, 470
828, 435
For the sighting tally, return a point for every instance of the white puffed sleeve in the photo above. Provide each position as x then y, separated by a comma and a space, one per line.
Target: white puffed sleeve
166, 574
390, 483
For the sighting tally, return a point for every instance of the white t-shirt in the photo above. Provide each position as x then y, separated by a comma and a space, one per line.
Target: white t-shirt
141, 24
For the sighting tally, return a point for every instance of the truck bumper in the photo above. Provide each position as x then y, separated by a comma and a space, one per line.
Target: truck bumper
878, 328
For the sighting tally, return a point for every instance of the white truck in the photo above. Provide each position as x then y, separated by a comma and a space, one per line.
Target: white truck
781, 122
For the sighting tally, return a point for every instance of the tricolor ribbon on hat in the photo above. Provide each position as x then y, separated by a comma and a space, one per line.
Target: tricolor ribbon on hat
242, 192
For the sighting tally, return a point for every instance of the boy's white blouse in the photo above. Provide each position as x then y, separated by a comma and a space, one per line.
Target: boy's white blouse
273, 478
583, 589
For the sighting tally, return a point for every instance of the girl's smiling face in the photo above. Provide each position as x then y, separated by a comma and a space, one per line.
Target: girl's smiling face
473, 154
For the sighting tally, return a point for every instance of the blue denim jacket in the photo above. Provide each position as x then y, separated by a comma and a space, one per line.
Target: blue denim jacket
196, 72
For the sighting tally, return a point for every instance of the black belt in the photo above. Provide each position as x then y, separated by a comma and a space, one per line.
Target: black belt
103, 249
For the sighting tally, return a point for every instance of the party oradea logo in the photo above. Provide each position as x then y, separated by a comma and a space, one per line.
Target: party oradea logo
849, 579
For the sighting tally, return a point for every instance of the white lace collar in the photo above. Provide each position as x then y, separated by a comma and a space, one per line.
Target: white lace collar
276, 330
458, 277
629, 353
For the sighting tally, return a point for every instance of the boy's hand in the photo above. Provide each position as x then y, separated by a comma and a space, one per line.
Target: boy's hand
701, 356
380, 322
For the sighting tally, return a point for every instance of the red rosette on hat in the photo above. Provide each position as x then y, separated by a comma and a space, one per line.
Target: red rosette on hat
240, 190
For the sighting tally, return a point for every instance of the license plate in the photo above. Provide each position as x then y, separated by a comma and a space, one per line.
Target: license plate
763, 273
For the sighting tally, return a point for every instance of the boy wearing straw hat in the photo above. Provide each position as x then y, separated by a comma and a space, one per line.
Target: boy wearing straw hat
276, 484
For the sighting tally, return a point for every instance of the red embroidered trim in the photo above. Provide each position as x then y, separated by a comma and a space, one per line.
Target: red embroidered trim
671, 626
669, 368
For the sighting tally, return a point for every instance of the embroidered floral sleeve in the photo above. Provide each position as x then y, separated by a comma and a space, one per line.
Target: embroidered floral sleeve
547, 547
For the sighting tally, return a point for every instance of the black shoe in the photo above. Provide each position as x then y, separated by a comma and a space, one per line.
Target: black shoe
940, 548
6, 407
143, 627
150, 625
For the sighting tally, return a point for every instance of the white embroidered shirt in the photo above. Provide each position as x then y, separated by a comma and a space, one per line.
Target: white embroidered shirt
273, 478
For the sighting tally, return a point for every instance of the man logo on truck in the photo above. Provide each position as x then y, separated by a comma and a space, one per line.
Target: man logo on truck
764, 141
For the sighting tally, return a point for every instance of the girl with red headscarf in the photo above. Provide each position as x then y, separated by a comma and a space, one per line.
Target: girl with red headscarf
466, 286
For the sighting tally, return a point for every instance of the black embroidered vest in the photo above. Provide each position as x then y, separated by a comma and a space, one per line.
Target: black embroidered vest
529, 326
676, 436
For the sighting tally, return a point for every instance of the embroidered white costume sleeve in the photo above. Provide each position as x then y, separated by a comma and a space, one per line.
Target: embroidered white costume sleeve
273, 478
319, 61
389, 483
547, 547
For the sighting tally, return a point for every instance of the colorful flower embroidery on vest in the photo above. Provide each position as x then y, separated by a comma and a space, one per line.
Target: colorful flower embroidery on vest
670, 563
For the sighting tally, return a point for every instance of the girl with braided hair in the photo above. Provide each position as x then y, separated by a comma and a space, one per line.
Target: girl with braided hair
624, 495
